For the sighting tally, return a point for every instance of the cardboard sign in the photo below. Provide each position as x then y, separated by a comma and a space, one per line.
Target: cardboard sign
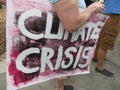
38, 47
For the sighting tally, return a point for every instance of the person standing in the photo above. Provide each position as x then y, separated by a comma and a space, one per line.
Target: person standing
83, 17
108, 35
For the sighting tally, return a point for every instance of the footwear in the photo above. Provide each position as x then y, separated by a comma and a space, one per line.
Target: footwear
104, 72
68, 87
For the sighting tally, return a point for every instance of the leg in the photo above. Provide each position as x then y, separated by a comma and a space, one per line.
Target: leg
60, 84
100, 57
100, 67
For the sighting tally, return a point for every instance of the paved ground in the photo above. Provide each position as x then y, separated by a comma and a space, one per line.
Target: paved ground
92, 81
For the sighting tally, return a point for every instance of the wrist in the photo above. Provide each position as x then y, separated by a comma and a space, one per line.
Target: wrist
90, 10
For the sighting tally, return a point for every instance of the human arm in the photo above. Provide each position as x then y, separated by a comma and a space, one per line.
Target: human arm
84, 15
70, 16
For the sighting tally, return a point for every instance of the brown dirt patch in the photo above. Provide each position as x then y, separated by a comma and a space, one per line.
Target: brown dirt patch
2, 31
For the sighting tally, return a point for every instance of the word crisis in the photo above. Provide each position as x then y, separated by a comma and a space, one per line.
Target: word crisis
48, 53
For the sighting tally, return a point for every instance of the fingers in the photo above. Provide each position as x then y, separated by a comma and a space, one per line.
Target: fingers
100, 6
97, 6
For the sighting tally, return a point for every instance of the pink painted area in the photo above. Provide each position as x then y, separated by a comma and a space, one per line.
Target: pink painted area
43, 5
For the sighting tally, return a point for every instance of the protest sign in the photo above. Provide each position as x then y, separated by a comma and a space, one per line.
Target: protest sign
38, 47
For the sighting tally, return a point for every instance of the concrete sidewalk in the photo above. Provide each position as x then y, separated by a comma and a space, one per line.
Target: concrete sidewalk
92, 81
